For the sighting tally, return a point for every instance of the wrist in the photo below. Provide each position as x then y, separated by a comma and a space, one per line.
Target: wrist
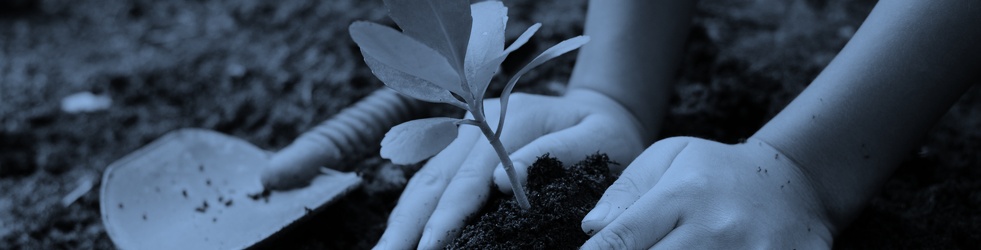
825, 204
840, 186
647, 121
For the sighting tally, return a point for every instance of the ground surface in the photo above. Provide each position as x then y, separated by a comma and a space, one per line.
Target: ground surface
265, 71
560, 195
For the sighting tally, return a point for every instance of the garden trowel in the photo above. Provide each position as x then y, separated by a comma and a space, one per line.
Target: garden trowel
200, 189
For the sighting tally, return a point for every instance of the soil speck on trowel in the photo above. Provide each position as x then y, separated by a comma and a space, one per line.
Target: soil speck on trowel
221, 200
203, 208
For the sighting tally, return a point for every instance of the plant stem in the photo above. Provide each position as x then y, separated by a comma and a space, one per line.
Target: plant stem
519, 190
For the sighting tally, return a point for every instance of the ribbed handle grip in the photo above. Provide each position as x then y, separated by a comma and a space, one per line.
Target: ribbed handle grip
352, 133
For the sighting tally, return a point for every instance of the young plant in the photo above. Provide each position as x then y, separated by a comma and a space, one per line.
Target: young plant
447, 52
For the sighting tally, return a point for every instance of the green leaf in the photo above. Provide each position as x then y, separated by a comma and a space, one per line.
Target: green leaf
483, 74
406, 65
486, 45
417, 140
410, 85
523, 38
553, 52
487, 34
443, 25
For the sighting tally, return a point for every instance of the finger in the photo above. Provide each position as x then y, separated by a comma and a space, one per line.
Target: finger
688, 237
650, 220
423, 192
635, 181
465, 194
691, 236
569, 145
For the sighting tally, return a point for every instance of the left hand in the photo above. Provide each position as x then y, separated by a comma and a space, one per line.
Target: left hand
457, 181
690, 193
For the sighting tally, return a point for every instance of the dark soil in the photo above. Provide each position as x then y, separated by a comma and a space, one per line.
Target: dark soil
559, 198
265, 71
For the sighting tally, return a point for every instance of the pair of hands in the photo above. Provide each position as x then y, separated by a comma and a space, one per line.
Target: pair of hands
456, 182
680, 193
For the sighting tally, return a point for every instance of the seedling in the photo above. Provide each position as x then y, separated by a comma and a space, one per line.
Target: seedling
447, 52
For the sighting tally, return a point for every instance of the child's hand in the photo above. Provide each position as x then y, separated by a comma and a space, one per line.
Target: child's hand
456, 182
690, 193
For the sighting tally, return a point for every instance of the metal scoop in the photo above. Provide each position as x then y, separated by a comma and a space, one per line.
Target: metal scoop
200, 189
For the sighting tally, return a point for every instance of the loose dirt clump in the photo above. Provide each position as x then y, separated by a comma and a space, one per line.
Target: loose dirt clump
559, 198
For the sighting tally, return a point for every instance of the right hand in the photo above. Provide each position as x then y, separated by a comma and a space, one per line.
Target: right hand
455, 183
686, 192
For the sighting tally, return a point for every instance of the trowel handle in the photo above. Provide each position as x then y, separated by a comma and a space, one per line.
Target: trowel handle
354, 132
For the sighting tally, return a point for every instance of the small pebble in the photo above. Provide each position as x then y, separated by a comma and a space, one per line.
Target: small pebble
83, 102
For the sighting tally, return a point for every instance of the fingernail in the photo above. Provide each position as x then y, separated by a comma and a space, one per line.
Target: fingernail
598, 213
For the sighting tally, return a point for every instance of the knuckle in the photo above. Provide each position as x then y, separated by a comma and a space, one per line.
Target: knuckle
679, 140
671, 140
692, 185
471, 175
702, 183
554, 143
622, 133
725, 228
626, 185
424, 179
401, 218
719, 227
670, 144
722, 232
698, 180
617, 238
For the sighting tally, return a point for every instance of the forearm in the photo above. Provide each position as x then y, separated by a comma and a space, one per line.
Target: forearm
634, 50
898, 75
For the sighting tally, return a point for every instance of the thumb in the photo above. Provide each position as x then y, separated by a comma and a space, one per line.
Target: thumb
571, 145
634, 182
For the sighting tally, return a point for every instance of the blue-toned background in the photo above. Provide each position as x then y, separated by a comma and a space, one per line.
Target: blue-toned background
265, 71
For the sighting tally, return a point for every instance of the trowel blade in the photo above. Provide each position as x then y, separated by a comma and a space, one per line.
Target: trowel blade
197, 189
